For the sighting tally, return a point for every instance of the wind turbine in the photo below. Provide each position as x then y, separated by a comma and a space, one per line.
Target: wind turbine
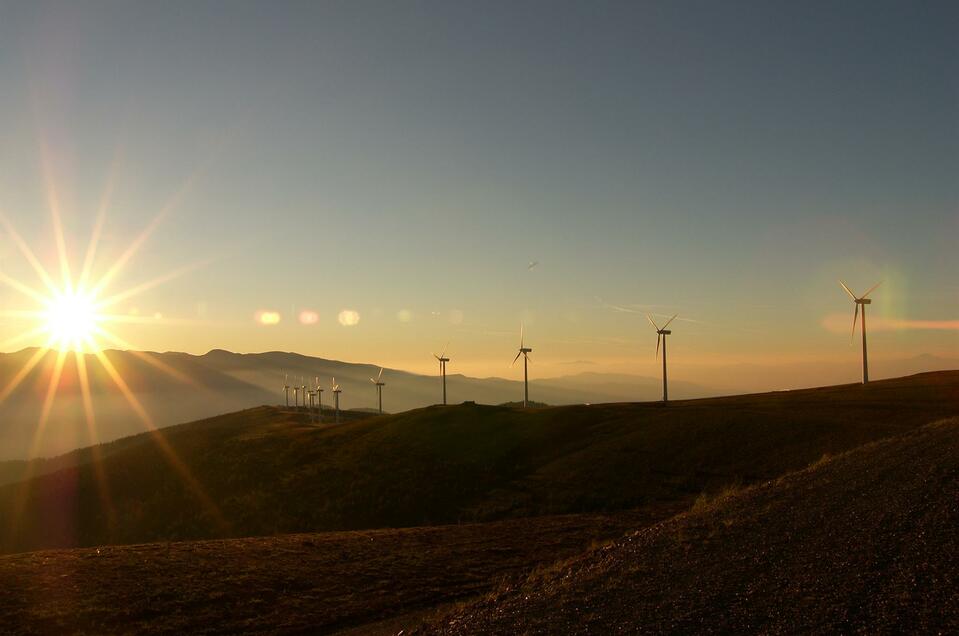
296, 397
303, 387
523, 351
379, 388
861, 301
661, 336
319, 399
286, 388
336, 400
442, 359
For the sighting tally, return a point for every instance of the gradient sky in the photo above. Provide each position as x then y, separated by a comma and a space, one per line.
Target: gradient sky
407, 160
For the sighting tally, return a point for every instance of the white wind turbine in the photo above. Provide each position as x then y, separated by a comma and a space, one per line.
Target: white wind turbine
303, 388
336, 400
286, 388
319, 399
379, 388
296, 397
861, 301
523, 351
442, 359
661, 336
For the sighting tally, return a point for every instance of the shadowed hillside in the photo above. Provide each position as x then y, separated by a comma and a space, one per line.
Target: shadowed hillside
862, 543
375, 581
267, 471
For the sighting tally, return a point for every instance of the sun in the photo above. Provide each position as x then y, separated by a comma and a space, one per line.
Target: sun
71, 320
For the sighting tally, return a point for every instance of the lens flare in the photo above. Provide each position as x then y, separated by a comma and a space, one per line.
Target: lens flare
308, 317
267, 318
349, 318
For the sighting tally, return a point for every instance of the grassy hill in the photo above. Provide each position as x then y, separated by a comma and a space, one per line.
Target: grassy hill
267, 471
862, 543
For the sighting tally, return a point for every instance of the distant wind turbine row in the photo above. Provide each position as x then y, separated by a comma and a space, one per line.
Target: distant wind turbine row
524, 351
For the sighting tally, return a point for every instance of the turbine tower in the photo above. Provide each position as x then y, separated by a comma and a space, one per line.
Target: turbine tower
661, 336
336, 400
296, 397
303, 387
286, 388
319, 399
379, 388
442, 359
523, 351
861, 301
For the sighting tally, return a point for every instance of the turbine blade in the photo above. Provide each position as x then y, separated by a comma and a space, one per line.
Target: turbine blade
515, 359
522, 329
848, 291
380, 376
855, 319
652, 322
527, 357
872, 289
659, 337
445, 347
670, 320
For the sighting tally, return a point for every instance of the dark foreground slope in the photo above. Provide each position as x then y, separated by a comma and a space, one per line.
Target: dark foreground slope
374, 581
866, 542
265, 471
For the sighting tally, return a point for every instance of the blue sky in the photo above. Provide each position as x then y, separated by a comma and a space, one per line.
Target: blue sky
727, 161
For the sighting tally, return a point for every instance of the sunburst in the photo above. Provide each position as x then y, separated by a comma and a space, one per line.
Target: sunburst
74, 316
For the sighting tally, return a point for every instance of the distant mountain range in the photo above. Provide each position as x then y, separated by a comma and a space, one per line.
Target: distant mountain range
178, 387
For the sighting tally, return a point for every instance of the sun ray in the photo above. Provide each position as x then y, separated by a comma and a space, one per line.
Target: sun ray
23, 338
103, 482
142, 287
53, 203
23, 493
168, 207
28, 254
146, 357
21, 313
105, 200
165, 449
146, 320
48, 400
23, 288
91, 250
24, 371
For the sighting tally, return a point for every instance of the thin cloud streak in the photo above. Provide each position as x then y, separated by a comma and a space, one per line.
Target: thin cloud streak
839, 323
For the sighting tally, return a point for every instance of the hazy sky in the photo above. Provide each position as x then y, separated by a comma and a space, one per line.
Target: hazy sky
408, 160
